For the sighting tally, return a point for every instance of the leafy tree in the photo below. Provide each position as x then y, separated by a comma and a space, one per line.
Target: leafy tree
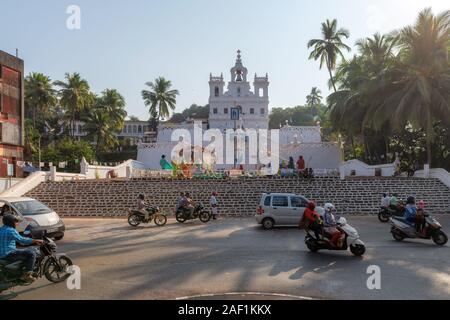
314, 99
330, 47
193, 112
75, 97
160, 99
40, 96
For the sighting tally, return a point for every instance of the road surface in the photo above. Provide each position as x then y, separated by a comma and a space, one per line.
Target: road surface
235, 256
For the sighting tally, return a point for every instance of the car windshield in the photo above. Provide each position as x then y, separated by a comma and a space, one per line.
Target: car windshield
31, 207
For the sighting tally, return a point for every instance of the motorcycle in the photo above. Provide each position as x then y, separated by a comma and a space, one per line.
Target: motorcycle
431, 230
385, 213
54, 266
136, 217
350, 239
199, 212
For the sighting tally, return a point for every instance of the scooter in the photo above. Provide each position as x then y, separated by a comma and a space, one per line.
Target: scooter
350, 239
54, 266
431, 230
135, 217
385, 213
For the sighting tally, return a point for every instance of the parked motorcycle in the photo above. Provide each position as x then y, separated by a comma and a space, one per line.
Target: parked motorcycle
385, 213
199, 212
431, 230
54, 266
350, 239
136, 217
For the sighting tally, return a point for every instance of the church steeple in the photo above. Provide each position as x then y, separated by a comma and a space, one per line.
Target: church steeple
239, 72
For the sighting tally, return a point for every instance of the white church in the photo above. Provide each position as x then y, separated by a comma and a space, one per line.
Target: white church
237, 106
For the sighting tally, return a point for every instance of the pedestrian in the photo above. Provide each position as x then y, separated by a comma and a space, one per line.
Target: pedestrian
300, 164
385, 201
213, 203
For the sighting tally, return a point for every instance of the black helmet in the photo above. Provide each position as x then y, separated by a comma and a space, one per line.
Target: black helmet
411, 200
141, 196
10, 220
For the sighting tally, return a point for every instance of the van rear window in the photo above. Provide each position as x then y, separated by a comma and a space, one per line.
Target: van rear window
267, 201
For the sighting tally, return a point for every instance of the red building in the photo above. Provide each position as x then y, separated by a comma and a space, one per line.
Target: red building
11, 114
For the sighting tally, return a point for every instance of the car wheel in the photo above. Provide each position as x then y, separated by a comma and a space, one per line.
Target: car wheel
268, 223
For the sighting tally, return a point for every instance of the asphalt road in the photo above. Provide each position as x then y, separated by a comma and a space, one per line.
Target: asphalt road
235, 258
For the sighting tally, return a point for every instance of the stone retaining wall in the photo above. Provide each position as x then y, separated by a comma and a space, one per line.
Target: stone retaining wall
112, 198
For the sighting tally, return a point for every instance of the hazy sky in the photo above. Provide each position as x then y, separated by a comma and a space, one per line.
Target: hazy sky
123, 44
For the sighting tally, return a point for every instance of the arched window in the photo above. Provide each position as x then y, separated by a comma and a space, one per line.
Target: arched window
261, 92
216, 91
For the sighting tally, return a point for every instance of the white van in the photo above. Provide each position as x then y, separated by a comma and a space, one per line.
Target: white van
281, 209
34, 214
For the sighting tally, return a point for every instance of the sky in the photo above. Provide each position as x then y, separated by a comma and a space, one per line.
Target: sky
124, 44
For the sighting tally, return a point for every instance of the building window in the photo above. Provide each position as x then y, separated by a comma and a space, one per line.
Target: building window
225, 111
134, 129
139, 129
130, 130
216, 91
124, 129
239, 91
263, 111
80, 129
215, 111
252, 110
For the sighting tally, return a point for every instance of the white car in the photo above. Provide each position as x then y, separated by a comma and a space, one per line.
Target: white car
282, 209
35, 215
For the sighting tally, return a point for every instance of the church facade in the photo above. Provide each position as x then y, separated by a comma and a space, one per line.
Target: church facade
238, 107
242, 106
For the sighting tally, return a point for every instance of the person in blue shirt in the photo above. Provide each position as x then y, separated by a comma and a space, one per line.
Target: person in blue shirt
8, 250
410, 211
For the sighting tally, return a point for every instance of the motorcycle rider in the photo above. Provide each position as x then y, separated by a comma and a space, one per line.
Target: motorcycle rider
410, 211
8, 250
314, 221
393, 202
142, 205
385, 201
330, 225
187, 204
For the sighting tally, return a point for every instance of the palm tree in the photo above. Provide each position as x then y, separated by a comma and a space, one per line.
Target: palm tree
314, 99
114, 104
100, 128
420, 92
75, 97
160, 99
40, 97
330, 47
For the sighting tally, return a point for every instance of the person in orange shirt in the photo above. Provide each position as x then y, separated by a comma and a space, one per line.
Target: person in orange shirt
314, 221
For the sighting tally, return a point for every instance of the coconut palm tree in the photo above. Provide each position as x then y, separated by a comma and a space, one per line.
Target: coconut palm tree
313, 100
100, 128
330, 47
40, 96
420, 91
75, 97
160, 99
114, 103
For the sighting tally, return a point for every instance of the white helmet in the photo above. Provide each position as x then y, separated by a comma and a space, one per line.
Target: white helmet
329, 207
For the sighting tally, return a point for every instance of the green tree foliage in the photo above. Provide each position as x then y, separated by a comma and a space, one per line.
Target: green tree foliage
193, 112
160, 99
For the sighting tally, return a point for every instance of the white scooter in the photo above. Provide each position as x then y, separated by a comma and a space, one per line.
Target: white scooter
350, 239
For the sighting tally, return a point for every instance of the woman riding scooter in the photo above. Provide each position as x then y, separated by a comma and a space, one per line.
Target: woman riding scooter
311, 220
330, 225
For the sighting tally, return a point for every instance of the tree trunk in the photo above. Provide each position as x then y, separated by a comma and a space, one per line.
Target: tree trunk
332, 79
353, 147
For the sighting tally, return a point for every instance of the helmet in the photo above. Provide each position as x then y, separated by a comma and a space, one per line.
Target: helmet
411, 200
311, 205
10, 220
141, 196
329, 207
